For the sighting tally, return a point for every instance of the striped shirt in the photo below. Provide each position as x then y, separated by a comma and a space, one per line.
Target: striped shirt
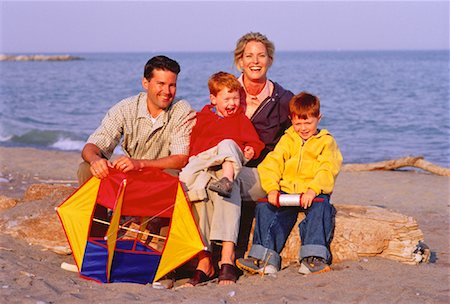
130, 121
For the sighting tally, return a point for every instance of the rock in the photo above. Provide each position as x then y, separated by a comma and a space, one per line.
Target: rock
6, 202
44, 230
35, 220
53, 192
62, 250
369, 231
363, 231
360, 231
38, 57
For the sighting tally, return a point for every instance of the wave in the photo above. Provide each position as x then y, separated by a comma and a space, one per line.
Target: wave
67, 144
59, 140
5, 138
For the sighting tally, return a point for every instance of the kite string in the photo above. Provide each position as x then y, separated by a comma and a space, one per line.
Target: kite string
153, 217
129, 229
143, 223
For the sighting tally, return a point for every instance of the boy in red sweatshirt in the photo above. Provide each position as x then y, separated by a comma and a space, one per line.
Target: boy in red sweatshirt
223, 138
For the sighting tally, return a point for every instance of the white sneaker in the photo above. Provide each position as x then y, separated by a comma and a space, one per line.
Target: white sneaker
270, 269
255, 266
313, 265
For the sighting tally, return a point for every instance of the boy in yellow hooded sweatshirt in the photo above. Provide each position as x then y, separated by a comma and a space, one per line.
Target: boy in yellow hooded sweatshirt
305, 161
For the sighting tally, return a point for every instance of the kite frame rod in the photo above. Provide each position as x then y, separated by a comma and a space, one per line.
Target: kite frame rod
130, 229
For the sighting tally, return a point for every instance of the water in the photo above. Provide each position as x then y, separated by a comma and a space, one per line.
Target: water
378, 105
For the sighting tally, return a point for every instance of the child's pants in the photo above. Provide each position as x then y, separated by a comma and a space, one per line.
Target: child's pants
217, 217
197, 173
273, 226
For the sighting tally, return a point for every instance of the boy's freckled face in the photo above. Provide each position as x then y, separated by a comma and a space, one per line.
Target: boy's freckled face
226, 102
305, 127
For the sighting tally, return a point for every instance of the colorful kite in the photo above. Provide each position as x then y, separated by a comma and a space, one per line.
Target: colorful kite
107, 248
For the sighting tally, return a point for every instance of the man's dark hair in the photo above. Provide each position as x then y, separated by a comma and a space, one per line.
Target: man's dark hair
160, 63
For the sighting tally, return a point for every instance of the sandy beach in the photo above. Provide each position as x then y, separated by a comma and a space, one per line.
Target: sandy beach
30, 274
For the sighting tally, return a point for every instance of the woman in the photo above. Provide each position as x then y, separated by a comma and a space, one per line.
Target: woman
266, 103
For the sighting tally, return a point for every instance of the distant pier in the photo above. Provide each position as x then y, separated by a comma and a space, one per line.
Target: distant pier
38, 57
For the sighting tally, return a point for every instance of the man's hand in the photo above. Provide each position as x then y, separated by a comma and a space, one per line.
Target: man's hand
126, 164
99, 167
249, 152
272, 197
307, 198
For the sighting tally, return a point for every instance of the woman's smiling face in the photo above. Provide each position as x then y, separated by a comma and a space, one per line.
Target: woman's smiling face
255, 61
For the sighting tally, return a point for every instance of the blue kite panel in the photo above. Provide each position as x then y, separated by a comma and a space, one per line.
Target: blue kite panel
130, 264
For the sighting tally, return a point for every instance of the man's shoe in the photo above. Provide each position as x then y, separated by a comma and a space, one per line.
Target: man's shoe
255, 266
313, 265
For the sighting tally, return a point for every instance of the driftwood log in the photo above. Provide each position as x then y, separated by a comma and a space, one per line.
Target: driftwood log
362, 231
409, 161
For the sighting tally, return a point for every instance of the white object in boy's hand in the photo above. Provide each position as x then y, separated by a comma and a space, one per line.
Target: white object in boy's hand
290, 200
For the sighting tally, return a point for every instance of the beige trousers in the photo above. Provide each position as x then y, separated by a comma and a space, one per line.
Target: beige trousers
201, 168
217, 217
83, 173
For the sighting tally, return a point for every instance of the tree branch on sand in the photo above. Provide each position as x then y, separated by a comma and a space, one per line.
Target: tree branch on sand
408, 161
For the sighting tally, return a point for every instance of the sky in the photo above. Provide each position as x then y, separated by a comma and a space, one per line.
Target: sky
151, 26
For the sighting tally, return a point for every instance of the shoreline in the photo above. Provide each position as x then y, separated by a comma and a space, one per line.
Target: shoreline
31, 274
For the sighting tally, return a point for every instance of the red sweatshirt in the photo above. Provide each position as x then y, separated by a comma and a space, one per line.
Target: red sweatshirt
211, 129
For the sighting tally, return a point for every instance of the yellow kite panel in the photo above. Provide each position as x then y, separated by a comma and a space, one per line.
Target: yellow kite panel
75, 214
184, 241
114, 227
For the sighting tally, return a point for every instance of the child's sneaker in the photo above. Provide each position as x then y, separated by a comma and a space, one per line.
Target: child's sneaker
223, 186
313, 264
255, 266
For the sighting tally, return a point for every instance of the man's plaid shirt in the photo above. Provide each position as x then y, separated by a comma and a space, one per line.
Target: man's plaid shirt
142, 139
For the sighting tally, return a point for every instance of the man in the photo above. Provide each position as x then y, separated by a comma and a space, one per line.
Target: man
154, 129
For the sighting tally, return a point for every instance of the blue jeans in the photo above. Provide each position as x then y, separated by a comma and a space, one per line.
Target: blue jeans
273, 226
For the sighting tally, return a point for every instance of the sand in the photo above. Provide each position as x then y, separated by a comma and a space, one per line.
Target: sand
30, 274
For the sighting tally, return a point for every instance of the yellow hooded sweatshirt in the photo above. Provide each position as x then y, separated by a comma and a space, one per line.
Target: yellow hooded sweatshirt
295, 166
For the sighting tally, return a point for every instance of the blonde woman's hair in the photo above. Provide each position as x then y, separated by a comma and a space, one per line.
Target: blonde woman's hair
252, 36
